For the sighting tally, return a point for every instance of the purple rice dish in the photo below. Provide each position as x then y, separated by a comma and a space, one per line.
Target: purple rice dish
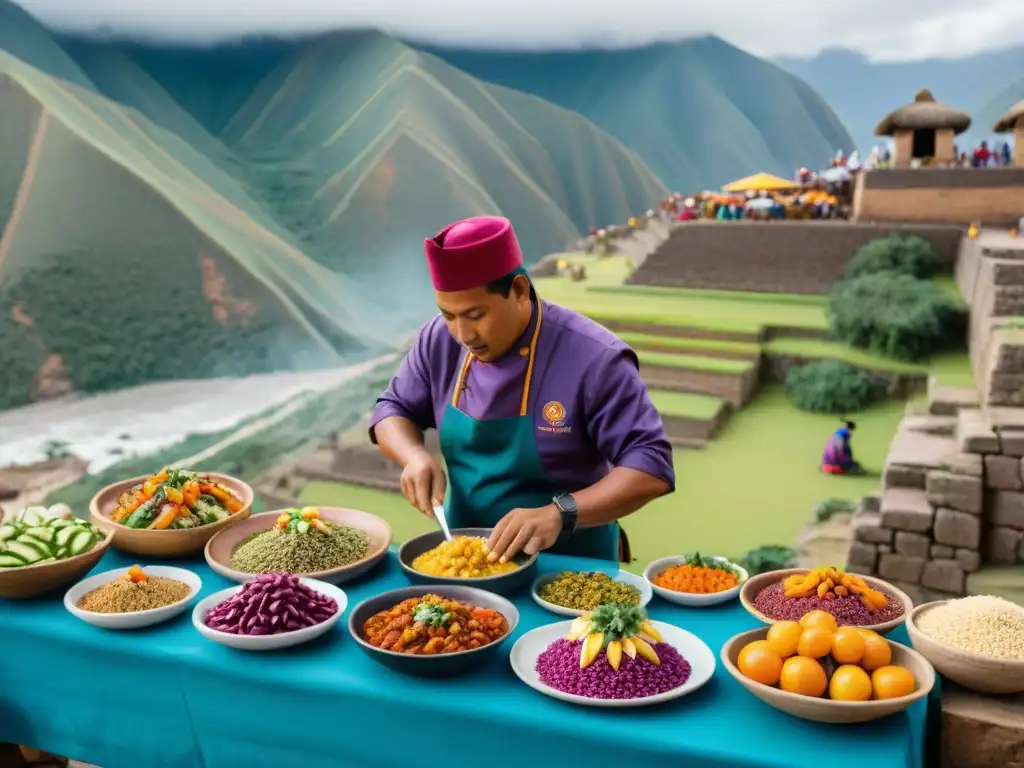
848, 610
559, 668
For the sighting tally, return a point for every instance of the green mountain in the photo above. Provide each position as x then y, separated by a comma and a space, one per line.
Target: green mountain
701, 112
149, 230
863, 92
992, 110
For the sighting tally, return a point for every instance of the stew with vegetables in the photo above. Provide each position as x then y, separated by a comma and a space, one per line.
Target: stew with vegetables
432, 625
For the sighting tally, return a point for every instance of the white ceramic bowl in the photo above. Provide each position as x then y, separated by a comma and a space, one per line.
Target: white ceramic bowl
268, 642
692, 600
139, 618
531, 645
625, 577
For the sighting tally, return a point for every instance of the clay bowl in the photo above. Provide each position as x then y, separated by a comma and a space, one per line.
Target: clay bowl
33, 580
439, 665
220, 548
971, 670
753, 586
167, 543
503, 584
825, 710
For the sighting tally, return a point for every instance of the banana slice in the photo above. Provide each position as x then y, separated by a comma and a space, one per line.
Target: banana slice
628, 648
614, 653
645, 650
591, 648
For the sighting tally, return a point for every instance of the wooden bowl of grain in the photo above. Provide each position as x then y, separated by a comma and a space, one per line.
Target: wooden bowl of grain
973, 670
822, 710
167, 542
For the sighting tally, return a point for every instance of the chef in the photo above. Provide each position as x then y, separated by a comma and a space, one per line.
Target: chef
548, 433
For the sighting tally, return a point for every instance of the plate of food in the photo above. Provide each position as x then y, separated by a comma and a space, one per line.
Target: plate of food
573, 593
324, 543
45, 548
612, 657
135, 597
171, 513
434, 630
271, 611
854, 600
694, 580
428, 558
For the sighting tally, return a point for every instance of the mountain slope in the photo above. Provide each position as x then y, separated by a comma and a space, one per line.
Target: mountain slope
863, 92
701, 112
992, 110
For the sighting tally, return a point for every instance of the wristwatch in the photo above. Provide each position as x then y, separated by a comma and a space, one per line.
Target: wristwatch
566, 505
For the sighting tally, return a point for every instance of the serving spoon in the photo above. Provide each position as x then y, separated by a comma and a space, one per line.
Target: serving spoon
439, 514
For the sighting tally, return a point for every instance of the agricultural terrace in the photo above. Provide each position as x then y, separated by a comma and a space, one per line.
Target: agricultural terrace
756, 478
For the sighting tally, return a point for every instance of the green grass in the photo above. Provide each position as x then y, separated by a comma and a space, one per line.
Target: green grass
952, 364
816, 299
694, 362
686, 404
649, 340
755, 484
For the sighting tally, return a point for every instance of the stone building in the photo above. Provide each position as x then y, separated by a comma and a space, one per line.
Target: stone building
923, 130
1013, 122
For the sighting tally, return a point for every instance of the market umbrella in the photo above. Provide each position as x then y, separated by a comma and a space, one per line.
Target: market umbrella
759, 181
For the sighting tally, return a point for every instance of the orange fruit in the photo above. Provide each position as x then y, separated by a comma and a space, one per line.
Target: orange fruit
891, 682
803, 676
815, 642
783, 637
847, 645
876, 651
760, 662
850, 683
822, 619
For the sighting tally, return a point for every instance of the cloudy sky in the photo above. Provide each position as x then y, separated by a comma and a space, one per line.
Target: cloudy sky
882, 29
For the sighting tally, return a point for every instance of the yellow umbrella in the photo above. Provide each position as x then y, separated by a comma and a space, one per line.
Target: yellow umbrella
759, 181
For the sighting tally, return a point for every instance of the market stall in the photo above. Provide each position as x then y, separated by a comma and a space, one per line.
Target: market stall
167, 696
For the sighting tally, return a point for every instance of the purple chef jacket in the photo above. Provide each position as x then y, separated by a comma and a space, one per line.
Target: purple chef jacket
609, 419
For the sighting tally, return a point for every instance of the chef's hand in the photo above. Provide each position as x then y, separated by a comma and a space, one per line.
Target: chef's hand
526, 530
423, 482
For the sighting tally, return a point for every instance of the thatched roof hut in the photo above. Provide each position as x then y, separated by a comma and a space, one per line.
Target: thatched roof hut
1008, 122
925, 113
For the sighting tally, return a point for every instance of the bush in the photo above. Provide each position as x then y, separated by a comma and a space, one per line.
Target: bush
896, 316
768, 558
902, 255
829, 508
829, 386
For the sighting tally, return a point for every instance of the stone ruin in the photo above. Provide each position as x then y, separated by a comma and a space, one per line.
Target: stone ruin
952, 496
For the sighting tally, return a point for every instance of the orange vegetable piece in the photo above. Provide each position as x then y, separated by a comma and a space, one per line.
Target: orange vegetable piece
174, 495
696, 579
136, 574
149, 489
168, 513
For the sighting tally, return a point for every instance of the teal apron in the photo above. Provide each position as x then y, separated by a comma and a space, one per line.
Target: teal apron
494, 467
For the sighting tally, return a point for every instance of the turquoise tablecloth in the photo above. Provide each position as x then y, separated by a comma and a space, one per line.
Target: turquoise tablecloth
166, 696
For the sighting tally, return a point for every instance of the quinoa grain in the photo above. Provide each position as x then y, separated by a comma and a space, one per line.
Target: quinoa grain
988, 626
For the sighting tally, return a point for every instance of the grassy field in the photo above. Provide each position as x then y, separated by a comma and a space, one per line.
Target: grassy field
686, 404
685, 345
695, 362
755, 484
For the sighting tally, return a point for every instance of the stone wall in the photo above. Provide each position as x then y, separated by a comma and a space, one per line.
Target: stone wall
774, 257
994, 196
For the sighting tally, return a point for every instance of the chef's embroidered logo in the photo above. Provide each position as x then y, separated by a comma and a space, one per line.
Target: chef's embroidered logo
554, 414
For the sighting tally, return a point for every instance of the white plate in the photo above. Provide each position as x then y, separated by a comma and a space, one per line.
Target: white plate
692, 600
139, 618
530, 646
622, 576
268, 642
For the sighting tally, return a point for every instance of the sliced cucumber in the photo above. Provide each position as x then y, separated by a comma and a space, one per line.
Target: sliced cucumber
44, 560
42, 532
43, 546
64, 535
7, 532
25, 552
7, 560
83, 541
60, 522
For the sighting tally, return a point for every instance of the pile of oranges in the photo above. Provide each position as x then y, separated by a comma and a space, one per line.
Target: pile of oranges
816, 657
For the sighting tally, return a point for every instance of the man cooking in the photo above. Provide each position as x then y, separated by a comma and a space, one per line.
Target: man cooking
547, 430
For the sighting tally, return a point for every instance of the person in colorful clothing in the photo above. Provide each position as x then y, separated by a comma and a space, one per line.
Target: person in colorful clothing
837, 458
547, 430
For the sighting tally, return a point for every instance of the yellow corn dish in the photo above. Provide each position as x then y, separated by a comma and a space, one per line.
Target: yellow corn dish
463, 557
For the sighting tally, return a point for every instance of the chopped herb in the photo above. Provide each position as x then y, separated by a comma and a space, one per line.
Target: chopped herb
430, 614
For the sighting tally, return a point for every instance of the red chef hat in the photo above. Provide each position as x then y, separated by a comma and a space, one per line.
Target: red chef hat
472, 252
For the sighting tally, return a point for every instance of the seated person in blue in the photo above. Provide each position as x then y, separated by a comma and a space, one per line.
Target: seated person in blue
837, 458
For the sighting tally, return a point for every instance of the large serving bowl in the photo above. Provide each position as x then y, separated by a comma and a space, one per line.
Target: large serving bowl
826, 710
971, 670
135, 619
219, 549
624, 577
268, 642
33, 580
440, 665
503, 584
165, 543
753, 586
693, 600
